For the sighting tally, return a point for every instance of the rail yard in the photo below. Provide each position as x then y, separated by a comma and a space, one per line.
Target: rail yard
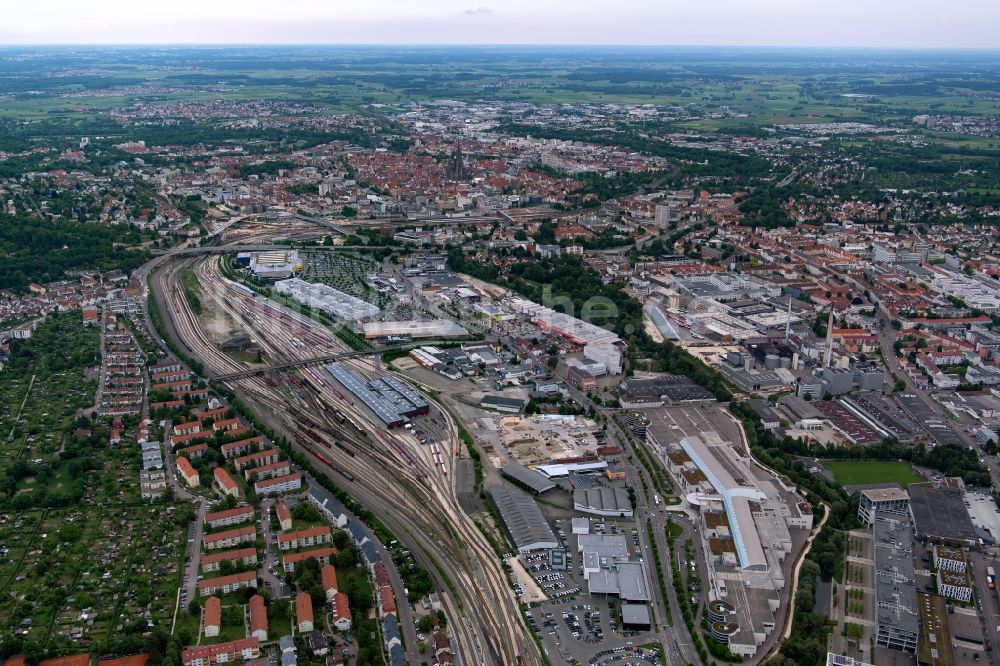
410, 486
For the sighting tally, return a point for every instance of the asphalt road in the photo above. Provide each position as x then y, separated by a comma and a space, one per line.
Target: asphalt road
989, 605
273, 583
195, 534
405, 613
675, 639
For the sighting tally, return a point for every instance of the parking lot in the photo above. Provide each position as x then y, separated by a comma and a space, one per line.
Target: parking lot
585, 630
573, 626
984, 513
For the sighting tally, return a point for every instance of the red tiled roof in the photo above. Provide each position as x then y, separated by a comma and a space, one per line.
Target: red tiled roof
258, 613
185, 467
303, 534
209, 652
388, 601
341, 609
71, 660
224, 480
277, 480
235, 554
328, 574
218, 581
213, 612
303, 608
257, 455
270, 467
228, 534
211, 413
201, 434
326, 551
243, 442
228, 513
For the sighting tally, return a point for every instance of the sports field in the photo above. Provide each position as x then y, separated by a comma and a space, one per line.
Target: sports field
872, 471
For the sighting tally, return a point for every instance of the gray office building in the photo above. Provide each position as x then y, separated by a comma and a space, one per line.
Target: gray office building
896, 620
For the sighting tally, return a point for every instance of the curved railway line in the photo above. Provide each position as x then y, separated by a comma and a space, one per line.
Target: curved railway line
409, 486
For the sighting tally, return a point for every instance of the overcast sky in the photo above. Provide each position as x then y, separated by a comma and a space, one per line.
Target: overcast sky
885, 23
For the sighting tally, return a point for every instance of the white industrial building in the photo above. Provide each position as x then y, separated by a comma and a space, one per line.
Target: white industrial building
275, 264
437, 328
745, 520
725, 287
327, 299
977, 292
599, 344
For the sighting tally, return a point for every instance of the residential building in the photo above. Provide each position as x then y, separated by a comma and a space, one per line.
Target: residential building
240, 514
230, 538
341, 612
212, 617
328, 576
258, 618
386, 602
188, 472
268, 471
264, 457
246, 557
310, 536
227, 584
303, 612
239, 650
196, 451
279, 484
284, 516
225, 484
238, 448
322, 555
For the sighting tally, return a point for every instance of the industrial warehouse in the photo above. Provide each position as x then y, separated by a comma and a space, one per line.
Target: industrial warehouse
391, 400
746, 523
522, 519
412, 330
599, 344
272, 265
327, 299
603, 501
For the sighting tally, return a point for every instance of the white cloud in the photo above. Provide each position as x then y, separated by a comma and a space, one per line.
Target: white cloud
478, 11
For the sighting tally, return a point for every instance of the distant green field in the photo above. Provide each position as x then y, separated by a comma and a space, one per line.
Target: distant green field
853, 473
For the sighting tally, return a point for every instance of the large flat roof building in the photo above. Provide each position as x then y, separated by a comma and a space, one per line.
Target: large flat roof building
522, 519
436, 328
527, 478
736, 499
599, 344
891, 498
327, 299
603, 501
676, 389
939, 514
896, 621
935, 646
560, 470
391, 400
725, 287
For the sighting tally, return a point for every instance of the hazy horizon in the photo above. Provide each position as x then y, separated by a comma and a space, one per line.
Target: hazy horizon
890, 24
524, 45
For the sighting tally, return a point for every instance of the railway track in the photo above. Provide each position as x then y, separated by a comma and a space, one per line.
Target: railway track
409, 487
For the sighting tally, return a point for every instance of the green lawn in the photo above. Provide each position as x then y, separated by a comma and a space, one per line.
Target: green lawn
853, 473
